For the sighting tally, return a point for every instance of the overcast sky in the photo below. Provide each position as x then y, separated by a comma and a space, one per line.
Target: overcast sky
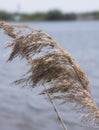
30, 6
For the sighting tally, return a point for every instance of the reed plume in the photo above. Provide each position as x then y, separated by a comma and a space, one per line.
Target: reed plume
52, 66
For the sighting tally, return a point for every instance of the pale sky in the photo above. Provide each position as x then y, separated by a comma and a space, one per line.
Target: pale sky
31, 6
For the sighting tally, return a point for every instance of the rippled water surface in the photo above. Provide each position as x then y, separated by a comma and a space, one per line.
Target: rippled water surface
22, 108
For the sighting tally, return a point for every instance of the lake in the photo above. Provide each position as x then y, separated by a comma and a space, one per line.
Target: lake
22, 108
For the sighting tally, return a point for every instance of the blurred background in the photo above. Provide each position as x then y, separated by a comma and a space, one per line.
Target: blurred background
74, 24
45, 10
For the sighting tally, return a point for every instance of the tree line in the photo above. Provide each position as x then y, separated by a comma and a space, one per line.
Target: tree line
48, 16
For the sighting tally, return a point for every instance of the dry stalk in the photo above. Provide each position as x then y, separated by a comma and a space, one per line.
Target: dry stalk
55, 109
50, 64
30, 60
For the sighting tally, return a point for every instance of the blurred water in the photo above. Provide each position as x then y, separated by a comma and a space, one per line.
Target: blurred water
22, 108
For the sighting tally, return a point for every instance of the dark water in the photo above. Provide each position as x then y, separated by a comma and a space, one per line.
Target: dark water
22, 108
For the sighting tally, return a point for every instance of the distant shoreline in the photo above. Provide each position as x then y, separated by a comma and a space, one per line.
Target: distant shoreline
53, 15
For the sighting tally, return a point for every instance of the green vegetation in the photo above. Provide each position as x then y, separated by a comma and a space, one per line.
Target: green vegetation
96, 15
5, 15
49, 16
30, 17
